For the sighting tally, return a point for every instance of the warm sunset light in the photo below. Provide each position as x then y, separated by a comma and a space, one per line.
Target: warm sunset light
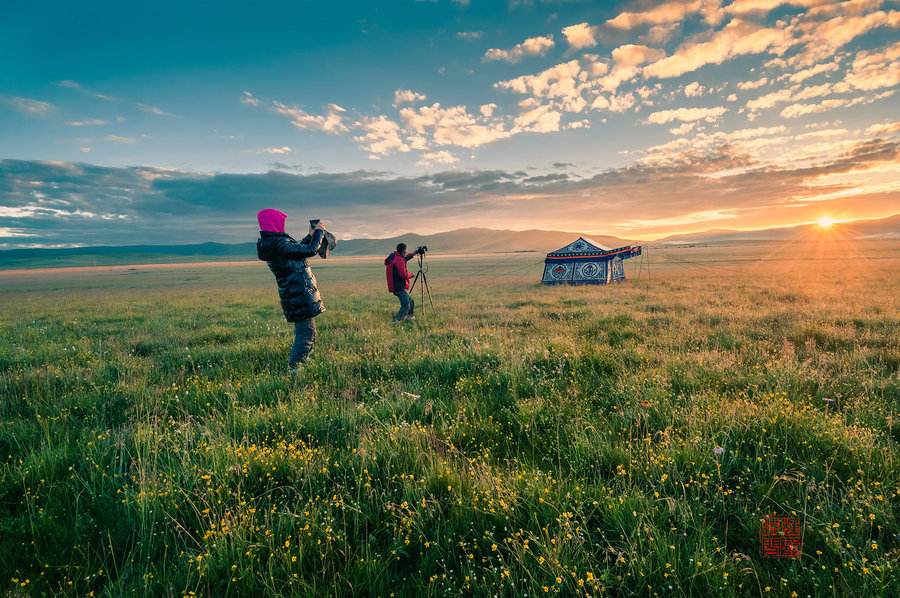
519, 297
512, 114
825, 222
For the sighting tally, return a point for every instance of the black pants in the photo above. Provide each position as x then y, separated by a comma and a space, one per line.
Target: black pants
304, 339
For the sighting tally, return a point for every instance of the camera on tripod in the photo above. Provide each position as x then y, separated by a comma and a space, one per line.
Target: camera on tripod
424, 291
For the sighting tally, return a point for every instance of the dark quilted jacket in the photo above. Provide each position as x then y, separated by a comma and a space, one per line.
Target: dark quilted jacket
286, 257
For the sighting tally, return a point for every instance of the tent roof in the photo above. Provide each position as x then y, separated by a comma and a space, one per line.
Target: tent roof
588, 246
595, 243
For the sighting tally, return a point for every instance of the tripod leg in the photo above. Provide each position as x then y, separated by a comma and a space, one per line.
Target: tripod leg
426, 289
422, 289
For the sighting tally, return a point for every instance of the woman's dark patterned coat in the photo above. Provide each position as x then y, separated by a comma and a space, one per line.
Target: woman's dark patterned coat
286, 257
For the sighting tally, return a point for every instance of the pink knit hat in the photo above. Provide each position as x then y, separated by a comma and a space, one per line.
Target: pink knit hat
271, 220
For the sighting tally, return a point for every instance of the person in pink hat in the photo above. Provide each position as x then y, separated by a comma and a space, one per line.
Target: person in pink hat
297, 287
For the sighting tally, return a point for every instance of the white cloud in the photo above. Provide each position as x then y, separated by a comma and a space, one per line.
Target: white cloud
817, 91
439, 157
579, 124
28, 106
761, 7
600, 103
822, 39
636, 54
331, 122
694, 89
542, 119
660, 34
686, 115
683, 128
381, 136
745, 85
847, 7
732, 97
823, 133
453, 125
7, 232
76, 86
626, 60
563, 82
797, 93
875, 69
87, 122
470, 35
249, 99
797, 110
622, 102
673, 11
884, 128
737, 38
487, 110
770, 99
277, 150
533, 46
581, 35
746, 140
152, 110
803, 75
408, 96
121, 139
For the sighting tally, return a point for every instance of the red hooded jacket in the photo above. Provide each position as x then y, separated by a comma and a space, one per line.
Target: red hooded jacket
395, 271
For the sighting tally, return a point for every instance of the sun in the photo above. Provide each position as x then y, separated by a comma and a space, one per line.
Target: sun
825, 222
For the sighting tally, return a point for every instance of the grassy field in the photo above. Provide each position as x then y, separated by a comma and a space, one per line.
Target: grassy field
518, 440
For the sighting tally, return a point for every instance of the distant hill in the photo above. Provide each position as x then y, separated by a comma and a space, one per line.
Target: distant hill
882, 228
468, 240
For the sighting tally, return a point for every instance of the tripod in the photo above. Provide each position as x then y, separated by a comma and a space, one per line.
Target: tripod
423, 288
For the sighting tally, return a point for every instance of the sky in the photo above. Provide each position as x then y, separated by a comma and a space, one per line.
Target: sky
174, 122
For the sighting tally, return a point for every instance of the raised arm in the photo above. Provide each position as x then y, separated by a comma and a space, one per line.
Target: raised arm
295, 249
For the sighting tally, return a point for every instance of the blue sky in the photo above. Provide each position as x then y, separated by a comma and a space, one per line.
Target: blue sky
637, 119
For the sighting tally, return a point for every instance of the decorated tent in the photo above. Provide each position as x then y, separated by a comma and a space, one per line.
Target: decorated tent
585, 261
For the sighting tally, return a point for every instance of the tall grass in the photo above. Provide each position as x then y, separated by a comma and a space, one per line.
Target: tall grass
516, 440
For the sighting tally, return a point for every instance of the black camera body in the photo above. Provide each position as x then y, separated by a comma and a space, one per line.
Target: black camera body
422, 249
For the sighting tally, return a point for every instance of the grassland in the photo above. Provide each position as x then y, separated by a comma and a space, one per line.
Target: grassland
620, 440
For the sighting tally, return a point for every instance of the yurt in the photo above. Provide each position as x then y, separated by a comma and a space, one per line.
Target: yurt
584, 261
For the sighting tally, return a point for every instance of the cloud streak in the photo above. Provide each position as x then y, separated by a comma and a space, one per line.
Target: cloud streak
689, 181
28, 106
533, 46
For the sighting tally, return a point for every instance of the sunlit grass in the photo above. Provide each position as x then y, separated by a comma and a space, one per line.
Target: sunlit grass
517, 440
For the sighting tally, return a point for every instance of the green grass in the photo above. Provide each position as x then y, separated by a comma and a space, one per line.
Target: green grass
517, 440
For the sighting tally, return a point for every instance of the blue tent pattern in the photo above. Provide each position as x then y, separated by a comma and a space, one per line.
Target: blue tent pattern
585, 261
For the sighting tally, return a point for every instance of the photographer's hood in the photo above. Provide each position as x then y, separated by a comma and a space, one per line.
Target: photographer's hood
271, 220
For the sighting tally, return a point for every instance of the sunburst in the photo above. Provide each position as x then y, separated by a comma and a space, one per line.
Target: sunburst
825, 222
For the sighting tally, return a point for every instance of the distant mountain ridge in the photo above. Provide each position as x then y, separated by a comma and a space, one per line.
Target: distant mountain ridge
467, 240
881, 228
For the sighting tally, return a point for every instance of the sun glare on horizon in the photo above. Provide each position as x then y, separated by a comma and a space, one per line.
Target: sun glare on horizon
825, 222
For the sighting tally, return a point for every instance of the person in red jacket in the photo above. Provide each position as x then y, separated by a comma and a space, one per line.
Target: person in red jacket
398, 278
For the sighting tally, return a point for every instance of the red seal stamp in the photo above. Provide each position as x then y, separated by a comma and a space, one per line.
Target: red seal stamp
781, 537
